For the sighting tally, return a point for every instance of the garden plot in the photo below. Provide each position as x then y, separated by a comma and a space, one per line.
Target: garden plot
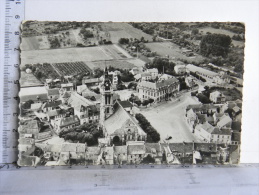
28, 80
71, 68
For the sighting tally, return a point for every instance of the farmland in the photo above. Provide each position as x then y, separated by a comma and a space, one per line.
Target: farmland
119, 30
173, 51
107, 52
71, 68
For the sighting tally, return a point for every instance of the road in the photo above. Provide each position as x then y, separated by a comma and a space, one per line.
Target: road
169, 119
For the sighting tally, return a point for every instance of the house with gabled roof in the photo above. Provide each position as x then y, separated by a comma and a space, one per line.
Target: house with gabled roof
85, 109
217, 97
69, 87
136, 151
155, 150
53, 94
224, 121
66, 122
72, 151
36, 129
47, 106
56, 114
211, 134
183, 151
92, 154
120, 154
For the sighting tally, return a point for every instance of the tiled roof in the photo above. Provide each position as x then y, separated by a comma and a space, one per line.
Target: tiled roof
181, 147
163, 83
136, 149
152, 70
81, 88
236, 125
225, 119
64, 85
236, 109
68, 121
77, 101
120, 150
236, 136
73, 147
36, 106
206, 126
193, 68
66, 95
93, 150
202, 107
55, 112
125, 104
52, 104
53, 91
223, 131
205, 147
93, 80
117, 120
50, 147
153, 147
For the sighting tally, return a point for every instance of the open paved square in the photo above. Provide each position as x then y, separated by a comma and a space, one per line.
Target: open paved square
169, 119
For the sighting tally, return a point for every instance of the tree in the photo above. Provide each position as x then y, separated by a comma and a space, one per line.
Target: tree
215, 44
148, 159
195, 31
27, 104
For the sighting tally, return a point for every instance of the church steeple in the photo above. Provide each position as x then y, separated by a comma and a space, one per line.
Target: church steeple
106, 90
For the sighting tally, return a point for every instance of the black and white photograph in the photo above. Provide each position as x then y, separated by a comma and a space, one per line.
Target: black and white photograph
130, 93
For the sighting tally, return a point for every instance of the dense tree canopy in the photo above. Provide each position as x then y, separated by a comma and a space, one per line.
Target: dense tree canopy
215, 45
152, 134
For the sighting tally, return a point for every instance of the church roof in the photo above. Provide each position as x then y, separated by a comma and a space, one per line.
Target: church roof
117, 120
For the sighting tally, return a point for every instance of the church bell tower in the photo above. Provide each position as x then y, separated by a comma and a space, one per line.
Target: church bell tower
106, 90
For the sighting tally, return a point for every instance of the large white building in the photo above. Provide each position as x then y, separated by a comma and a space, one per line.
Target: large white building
158, 91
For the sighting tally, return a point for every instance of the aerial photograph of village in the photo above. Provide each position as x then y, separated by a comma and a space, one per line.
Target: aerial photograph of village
107, 93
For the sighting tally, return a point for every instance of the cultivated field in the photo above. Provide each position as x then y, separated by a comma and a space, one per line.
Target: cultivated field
172, 50
107, 52
71, 68
28, 80
119, 30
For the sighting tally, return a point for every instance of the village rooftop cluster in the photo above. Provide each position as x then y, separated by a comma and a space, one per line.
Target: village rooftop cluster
154, 110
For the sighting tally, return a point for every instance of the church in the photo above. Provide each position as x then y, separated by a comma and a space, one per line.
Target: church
118, 125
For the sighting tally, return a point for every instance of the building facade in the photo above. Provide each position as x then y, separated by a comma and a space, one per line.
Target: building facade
158, 91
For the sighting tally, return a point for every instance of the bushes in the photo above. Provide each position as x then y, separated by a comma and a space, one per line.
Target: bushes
86, 133
203, 99
152, 134
197, 76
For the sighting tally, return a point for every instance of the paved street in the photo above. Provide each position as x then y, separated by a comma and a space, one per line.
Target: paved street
169, 119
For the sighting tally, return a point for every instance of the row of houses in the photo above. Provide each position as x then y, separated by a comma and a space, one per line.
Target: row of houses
212, 123
134, 152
